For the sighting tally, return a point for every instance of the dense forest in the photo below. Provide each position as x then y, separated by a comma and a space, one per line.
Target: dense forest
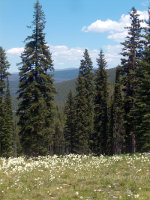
98, 116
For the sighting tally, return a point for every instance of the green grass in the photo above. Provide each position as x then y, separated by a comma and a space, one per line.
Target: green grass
75, 177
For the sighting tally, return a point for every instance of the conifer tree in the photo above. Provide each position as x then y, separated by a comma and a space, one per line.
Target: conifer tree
81, 137
8, 124
84, 107
86, 70
36, 90
117, 116
69, 129
100, 107
131, 54
4, 65
143, 95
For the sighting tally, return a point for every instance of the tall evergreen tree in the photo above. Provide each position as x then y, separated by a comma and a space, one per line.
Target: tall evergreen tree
84, 108
143, 95
81, 137
4, 65
117, 116
100, 107
8, 128
131, 54
36, 89
86, 71
69, 129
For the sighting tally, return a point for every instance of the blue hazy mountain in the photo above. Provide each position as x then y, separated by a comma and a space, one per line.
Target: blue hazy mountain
58, 75
64, 80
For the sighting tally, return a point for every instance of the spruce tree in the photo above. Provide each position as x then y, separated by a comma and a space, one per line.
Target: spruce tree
143, 95
131, 54
86, 70
8, 127
36, 89
117, 116
100, 136
69, 129
4, 65
84, 108
81, 137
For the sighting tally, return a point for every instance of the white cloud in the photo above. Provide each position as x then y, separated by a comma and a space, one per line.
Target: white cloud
102, 26
112, 55
115, 29
65, 57
15, 51
65, 52
143, 15
118, 37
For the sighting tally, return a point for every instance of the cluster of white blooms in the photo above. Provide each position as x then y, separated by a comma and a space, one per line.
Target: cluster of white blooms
57, 166
74, 162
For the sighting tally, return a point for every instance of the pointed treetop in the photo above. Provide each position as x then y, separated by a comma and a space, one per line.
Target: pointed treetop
102, 64
86, 64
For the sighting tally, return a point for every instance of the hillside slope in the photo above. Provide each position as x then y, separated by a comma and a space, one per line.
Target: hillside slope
64, 87
62, 83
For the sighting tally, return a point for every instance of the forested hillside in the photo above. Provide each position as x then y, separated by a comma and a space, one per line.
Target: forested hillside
64, 81
81, 132
90, 110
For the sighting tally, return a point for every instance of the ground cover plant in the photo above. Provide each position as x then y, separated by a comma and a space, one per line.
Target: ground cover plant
75, 177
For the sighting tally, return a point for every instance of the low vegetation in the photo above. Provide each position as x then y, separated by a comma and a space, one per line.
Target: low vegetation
75, 177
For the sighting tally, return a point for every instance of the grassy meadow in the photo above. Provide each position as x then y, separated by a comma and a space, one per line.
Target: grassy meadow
75, 177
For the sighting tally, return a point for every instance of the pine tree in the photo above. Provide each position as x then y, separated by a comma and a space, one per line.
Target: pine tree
4, 65
131, 53
100, 108
143, 95
36, 90
81, 137
8, 127
69, 129
84, 108
117, 116
86, 70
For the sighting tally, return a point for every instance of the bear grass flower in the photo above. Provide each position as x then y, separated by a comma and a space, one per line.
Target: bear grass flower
75, 176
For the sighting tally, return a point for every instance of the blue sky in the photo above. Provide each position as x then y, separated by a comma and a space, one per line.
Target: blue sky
72, 26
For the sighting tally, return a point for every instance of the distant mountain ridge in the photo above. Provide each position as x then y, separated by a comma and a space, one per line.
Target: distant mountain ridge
64, 80
65, 75
58, 75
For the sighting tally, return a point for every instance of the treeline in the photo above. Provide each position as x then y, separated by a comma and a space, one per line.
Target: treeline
92, 120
